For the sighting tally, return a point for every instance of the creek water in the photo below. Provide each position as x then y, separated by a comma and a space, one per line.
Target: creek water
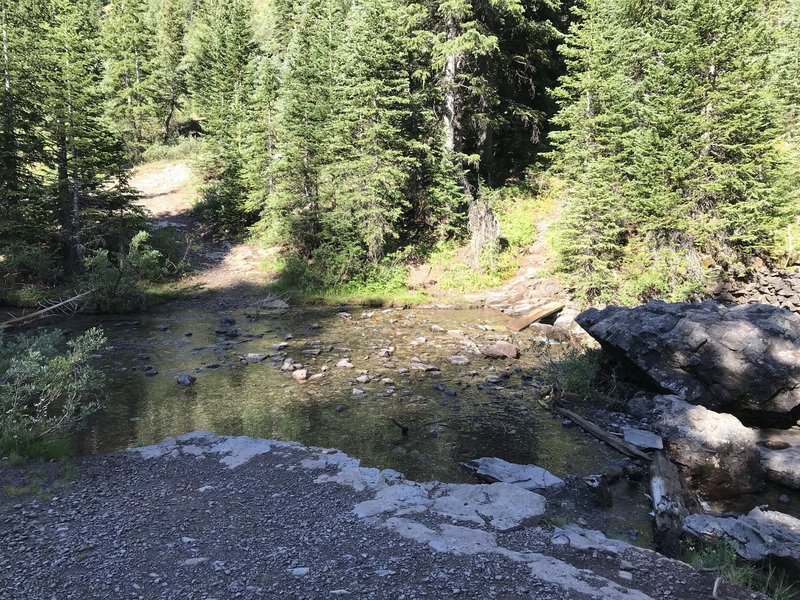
460, 412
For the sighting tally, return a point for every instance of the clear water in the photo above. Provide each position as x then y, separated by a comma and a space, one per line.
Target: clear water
452, 417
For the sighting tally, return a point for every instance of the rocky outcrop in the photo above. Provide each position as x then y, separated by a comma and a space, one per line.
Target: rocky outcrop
776, 287
743, 359
719, 452
757, 535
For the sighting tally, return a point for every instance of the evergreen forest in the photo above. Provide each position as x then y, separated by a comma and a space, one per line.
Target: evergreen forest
364, 136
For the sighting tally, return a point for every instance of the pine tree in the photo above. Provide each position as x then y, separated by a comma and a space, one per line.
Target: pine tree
169, 76
365, 186
89, 162
128, 46
220, 80
304, 113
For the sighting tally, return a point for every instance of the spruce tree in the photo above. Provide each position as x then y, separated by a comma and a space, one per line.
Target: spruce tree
365, 186
169, 74
129, 64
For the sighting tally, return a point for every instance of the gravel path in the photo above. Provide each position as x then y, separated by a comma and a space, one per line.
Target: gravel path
206, 517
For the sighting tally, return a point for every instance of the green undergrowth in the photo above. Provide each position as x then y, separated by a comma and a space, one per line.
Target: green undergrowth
721, 559
22, 447
187, 148
380, 286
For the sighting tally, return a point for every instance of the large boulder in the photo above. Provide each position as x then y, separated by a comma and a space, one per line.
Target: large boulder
742, 359
719, 452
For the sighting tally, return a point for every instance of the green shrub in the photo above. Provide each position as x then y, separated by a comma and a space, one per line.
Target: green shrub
47, 387
186, 148
115, 280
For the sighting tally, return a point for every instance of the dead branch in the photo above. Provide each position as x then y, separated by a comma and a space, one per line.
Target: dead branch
65, 304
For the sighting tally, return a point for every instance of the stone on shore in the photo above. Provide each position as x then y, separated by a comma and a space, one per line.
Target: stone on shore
782, 466
757, 535
527, 477
501, 349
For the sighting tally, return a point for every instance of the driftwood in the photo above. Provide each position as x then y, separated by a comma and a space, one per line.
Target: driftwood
602, 434
536, 315
669, 501
45, 311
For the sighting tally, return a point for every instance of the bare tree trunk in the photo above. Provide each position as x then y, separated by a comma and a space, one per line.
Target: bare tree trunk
9, 159
483, 226
65, 205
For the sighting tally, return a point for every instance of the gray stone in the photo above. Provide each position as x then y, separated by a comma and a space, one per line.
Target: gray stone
252, 357
193, 562
501, 349
782, 466
186, 380
744, 358
344, 364
528, 477
642, 439
459, 360
720, 453
757, 535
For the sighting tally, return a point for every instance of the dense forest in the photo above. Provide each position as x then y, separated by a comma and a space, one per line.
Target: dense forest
358, 135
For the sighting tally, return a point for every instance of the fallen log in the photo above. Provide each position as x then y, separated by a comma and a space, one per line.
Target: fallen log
43, 312
603, 435
536, 315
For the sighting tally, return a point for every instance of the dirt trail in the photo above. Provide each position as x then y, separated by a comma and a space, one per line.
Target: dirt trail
168, 193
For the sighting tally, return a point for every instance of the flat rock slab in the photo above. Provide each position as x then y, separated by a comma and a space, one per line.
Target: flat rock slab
203, 516
527, 477
745, 358
640, 438
782, 466
757, 535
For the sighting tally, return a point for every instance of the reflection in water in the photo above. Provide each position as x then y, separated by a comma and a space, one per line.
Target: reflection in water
453, 416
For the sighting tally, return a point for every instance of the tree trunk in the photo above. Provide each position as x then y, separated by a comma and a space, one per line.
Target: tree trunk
65, 201
483, 226
9, 158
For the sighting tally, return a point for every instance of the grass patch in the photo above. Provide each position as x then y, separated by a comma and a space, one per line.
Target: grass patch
21, 448
381, 285
721, 559
15, 491
186, 148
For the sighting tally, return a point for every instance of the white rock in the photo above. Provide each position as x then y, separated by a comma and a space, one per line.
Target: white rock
643, 439
527, 477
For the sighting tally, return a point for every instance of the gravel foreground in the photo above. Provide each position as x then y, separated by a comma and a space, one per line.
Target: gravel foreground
208, 517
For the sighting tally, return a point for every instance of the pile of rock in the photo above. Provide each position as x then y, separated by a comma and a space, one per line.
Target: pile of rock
524, 293
778, 288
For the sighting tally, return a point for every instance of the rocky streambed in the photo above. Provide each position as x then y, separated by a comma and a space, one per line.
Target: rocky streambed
417, 391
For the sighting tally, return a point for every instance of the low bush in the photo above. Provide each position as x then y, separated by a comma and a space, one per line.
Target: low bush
116, 279
47, 388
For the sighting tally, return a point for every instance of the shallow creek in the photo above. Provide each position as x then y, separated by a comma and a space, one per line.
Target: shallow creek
461, 412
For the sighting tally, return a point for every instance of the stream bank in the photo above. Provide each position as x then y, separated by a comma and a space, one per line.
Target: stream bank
204, 517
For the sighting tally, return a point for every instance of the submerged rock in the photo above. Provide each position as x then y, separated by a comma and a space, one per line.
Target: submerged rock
757, 535
528, 477
186, 380
740, 359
